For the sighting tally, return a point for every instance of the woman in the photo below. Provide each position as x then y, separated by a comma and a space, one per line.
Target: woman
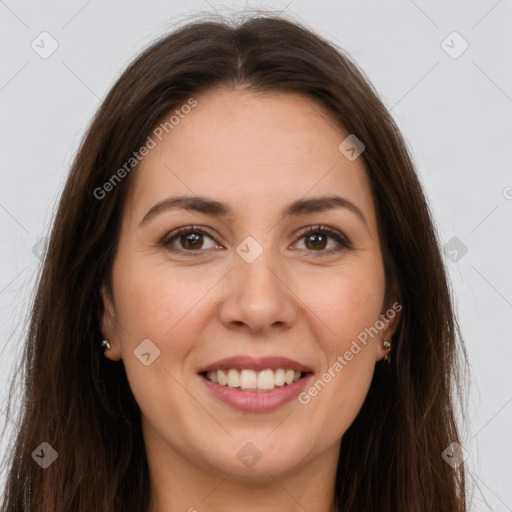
243, 304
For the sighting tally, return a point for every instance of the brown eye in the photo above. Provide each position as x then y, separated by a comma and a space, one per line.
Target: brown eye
192, 239
316, 239
189, 239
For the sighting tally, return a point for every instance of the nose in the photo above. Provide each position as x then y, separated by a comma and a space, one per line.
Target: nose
258, 298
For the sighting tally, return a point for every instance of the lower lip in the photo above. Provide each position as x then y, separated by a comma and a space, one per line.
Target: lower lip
253, 401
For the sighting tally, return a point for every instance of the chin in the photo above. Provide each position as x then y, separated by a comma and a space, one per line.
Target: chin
258, 456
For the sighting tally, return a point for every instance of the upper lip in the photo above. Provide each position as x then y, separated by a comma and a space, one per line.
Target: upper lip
255, 363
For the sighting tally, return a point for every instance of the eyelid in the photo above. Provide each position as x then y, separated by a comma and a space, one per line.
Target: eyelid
331, 232
342, 240
166, 240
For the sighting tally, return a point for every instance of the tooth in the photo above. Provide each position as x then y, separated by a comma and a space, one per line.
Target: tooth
221, 376
266, 379
248, 379
279, 377
233, 378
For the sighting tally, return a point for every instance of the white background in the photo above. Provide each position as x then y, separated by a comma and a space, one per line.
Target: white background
455, 113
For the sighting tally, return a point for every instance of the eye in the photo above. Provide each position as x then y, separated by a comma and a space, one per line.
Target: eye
190, 238
316, 239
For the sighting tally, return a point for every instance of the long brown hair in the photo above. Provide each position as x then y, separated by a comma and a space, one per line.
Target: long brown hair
80, 403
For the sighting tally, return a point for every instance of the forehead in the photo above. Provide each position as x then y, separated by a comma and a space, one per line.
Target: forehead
249, 150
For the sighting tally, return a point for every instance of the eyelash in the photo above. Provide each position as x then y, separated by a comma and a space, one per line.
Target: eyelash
342, 240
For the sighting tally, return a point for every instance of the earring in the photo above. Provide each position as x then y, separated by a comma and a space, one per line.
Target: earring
387, 345
105, 344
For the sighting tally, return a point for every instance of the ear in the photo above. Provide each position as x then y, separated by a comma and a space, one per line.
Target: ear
390, 317
108, 324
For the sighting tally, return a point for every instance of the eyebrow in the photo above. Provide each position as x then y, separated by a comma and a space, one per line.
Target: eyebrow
216, 208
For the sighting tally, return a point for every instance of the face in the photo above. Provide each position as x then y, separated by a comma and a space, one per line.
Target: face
290, 290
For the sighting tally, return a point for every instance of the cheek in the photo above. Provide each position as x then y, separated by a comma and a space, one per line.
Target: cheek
154, 302
347, 301
158, 304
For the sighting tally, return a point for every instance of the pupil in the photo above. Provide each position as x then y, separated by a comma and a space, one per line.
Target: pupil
317, 240
192, 240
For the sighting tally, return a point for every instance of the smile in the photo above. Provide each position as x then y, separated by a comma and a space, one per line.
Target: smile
250, 380
253, 384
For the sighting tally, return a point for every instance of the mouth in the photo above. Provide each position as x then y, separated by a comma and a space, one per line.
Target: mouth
255, 385
248, 380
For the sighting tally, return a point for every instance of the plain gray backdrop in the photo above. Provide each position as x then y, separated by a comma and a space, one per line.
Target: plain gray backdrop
444, 69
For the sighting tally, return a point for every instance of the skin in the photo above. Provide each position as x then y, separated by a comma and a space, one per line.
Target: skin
257, 153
